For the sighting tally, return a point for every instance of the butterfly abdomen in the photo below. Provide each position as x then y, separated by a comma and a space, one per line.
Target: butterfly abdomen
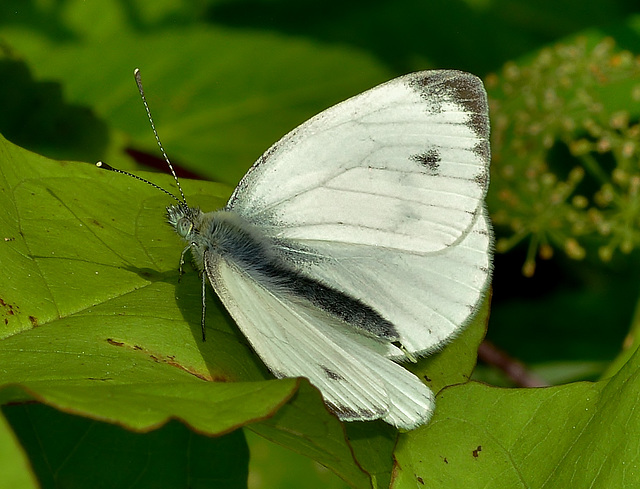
236, 241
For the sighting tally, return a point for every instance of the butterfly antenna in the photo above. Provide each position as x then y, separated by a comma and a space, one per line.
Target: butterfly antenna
104, 166
136, 74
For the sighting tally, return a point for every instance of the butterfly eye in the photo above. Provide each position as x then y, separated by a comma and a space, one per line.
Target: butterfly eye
184, 227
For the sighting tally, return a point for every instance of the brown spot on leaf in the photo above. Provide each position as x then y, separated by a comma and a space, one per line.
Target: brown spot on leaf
170, 360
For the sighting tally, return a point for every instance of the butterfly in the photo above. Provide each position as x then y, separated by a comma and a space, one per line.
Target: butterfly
358, 241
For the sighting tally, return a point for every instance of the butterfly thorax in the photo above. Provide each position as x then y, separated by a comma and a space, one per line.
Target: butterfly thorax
223, 233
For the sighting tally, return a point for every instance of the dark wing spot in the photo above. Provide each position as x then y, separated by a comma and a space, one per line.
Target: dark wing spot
348, 413
482, 179
343, 412
331, 374
277, 374
430, 160
464, 89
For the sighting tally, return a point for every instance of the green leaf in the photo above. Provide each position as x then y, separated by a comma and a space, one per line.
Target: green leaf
14, 465
69, 451
200, 80
577, 435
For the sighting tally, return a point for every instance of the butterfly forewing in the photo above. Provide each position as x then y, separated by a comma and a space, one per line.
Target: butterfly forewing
403, 165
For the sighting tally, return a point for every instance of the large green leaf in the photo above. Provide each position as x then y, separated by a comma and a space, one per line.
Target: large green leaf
201, 81
577, 435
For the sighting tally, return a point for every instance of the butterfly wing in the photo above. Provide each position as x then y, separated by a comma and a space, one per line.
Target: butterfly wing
404, 165
381, 197
294, 339
428, 297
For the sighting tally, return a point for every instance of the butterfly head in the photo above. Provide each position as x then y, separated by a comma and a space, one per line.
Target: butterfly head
183, 219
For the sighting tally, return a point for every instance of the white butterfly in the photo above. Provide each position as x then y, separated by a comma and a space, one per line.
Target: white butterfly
359, 239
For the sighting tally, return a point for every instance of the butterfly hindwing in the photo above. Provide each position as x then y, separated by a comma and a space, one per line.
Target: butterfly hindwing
427, 297
294, 338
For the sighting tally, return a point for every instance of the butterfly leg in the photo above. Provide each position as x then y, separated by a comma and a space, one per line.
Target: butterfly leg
204, 304
181, 266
